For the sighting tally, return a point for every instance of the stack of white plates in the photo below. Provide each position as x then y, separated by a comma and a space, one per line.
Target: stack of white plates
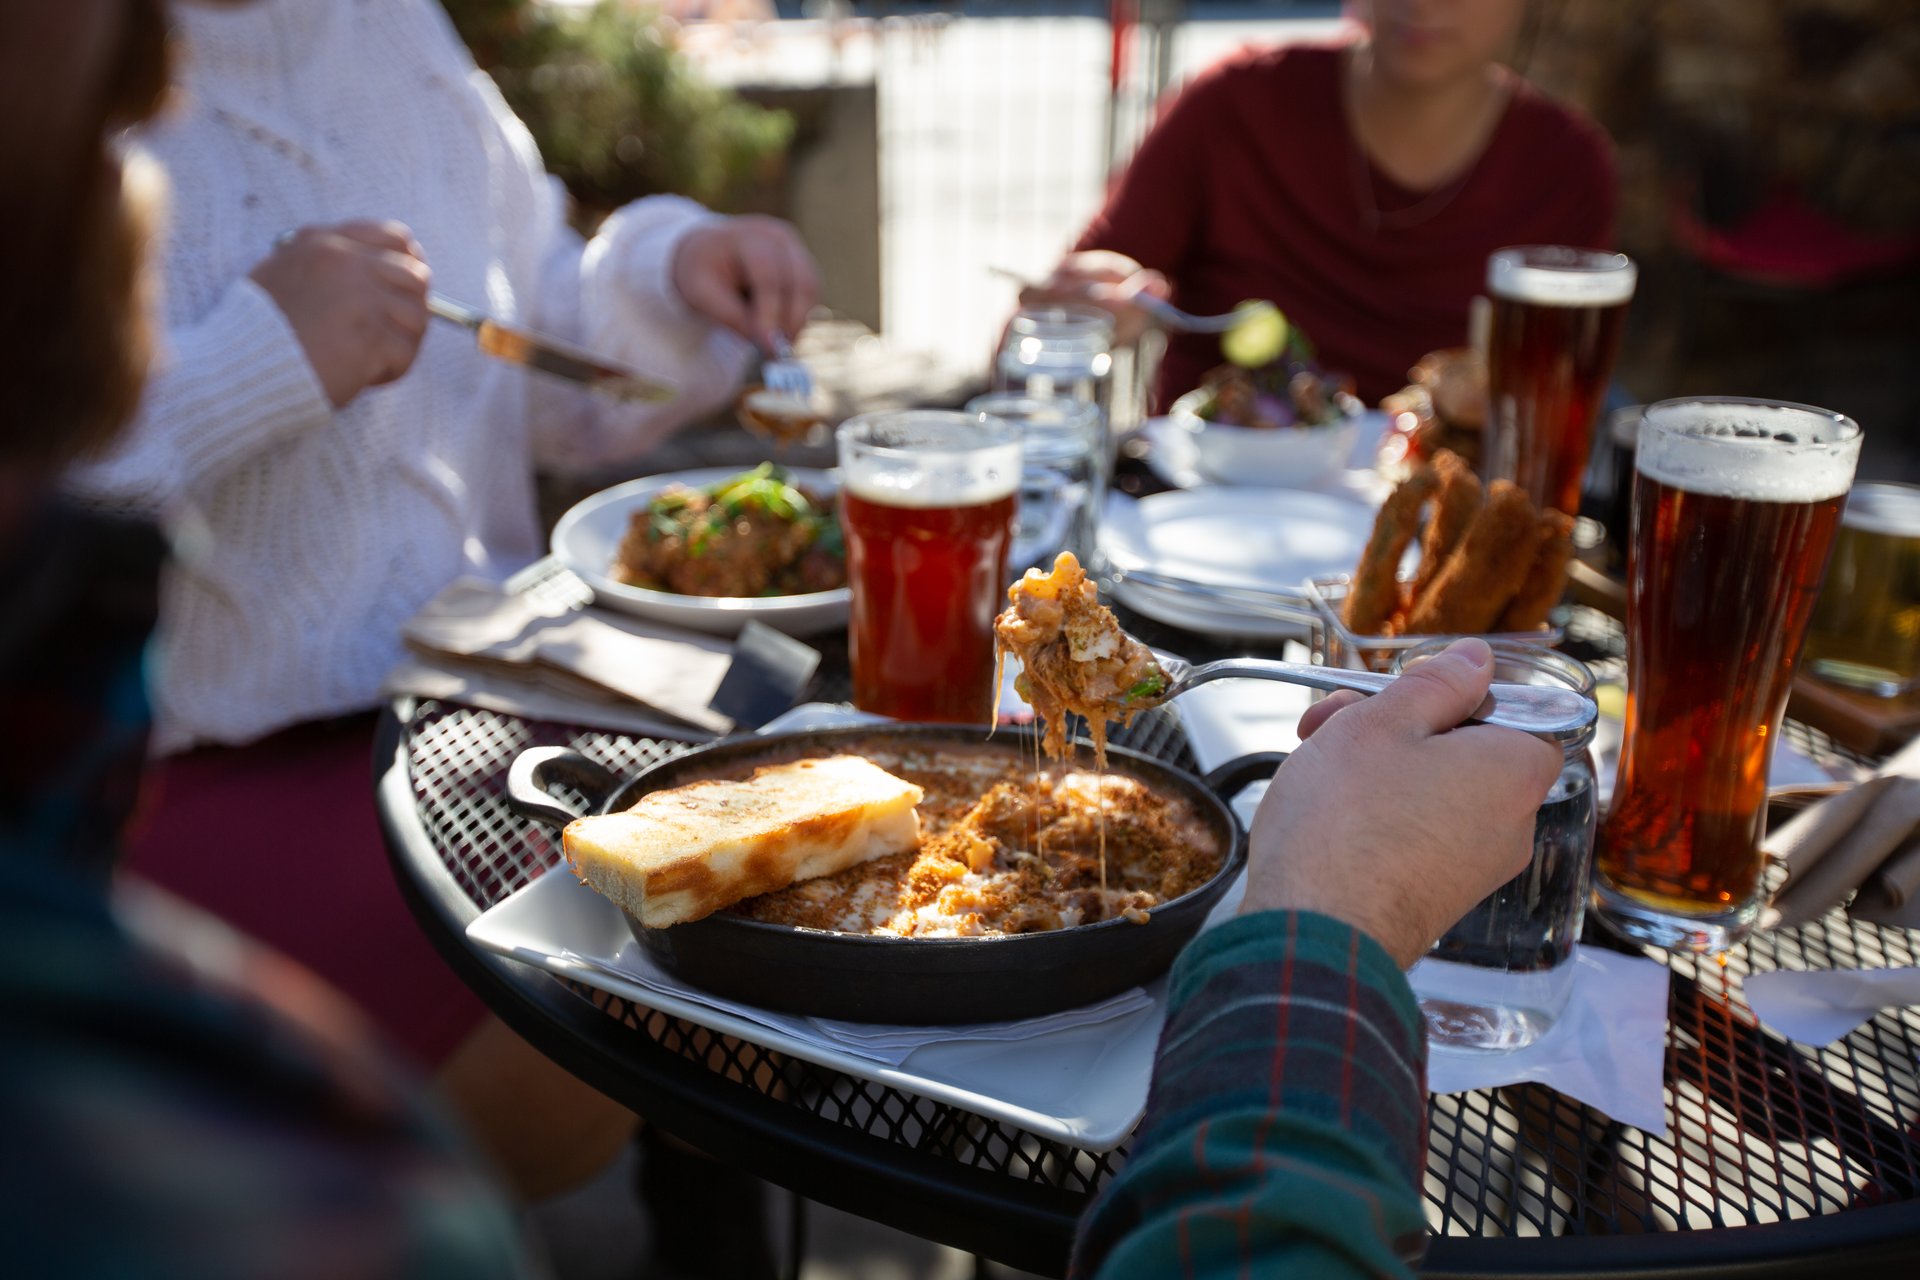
1266, 539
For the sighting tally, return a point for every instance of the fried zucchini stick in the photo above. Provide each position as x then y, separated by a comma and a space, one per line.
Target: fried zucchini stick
1454, 508
1485, 571
1546, 581
1374, 595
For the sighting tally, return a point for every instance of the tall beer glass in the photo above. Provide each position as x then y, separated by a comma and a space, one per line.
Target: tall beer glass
1866, 628
1735, 507
1551, 343
927, 505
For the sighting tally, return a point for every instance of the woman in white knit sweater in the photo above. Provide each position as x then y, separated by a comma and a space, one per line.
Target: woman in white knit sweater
326, 462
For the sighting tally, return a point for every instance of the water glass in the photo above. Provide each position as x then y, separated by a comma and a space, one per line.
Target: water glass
1060, 493
1058, 351
1500, 978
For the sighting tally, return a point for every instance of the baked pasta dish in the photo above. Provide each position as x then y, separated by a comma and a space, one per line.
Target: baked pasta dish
1004, 849
754, 534
1075, 659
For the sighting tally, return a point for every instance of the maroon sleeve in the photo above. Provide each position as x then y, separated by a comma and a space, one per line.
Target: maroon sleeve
1594, 177
1153, 214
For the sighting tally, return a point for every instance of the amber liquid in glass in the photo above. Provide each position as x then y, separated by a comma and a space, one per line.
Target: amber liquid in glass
1547, 372
927, 582
1722, 591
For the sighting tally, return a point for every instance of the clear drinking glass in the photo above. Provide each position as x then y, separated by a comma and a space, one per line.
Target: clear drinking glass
1554, 331
1500, 978
1058, 351
927, 504
1059, 484
1735, 507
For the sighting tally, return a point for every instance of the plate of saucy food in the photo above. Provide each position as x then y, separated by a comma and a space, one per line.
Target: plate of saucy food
915, 873
714, 548
912, 875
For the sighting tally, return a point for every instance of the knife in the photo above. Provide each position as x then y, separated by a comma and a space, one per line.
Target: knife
549, 355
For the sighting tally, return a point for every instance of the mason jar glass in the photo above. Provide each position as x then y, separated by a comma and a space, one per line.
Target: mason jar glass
1501, 977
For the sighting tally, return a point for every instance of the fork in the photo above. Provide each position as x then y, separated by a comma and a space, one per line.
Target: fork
1543, 710
1168, 316
1164, 313
784, 374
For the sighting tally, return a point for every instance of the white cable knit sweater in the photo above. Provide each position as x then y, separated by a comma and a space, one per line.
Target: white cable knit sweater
305, 536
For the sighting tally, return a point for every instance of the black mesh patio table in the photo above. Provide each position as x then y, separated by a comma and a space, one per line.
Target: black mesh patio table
1780, 1160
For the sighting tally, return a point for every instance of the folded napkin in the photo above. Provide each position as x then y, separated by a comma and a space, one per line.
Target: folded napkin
876, 1042
481, 645
1866, 839
1607, 1050
1819, 1006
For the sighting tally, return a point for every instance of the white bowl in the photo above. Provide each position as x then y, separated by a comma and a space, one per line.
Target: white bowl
588, 536
1282, 457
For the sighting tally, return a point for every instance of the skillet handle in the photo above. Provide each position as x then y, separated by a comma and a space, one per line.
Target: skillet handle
1231, 778
537, 767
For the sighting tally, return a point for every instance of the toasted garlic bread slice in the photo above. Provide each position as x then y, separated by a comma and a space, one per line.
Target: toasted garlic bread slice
687, 852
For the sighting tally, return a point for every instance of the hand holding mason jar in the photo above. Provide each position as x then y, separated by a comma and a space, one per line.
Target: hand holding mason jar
1502, 975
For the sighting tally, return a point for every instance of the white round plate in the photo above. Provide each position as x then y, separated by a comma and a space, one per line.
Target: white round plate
1271, 538
587, 537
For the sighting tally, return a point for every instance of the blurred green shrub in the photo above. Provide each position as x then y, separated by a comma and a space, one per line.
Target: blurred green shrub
617, 111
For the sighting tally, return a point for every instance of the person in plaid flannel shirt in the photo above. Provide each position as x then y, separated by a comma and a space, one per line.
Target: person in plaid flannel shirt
180, 1102
1286, 1129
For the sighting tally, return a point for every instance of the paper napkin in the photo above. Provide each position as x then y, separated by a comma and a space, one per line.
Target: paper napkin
1607, 1050
483, 645
876, 1042
1865, 839
1822, 1005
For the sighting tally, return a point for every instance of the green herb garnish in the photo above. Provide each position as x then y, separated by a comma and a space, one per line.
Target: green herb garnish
1150, 687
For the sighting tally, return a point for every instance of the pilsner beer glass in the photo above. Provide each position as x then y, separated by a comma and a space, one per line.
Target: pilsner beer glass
1735, 507
1551, 341
1866, 628
927, 504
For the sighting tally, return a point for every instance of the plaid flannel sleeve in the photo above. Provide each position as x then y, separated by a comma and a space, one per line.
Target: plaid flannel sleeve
1287, 1127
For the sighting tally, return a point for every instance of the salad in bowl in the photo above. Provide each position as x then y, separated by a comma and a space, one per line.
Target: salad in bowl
1270, 414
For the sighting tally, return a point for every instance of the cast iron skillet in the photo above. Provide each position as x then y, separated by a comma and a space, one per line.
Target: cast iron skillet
903, 980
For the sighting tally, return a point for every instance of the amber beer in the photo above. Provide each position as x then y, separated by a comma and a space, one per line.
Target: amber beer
1735, 507
927, 505
1551, 342
1866, 628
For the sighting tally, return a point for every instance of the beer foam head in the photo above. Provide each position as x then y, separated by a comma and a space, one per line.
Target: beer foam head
1553, 275
1753, 449
929, 458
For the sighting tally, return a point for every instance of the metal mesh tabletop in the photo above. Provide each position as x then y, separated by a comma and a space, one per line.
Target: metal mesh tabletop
1818, 1149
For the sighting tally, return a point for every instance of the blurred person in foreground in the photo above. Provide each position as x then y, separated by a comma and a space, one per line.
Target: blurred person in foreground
1285, 1132
1359, 186
326, 463
176, 1102
181, 1103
